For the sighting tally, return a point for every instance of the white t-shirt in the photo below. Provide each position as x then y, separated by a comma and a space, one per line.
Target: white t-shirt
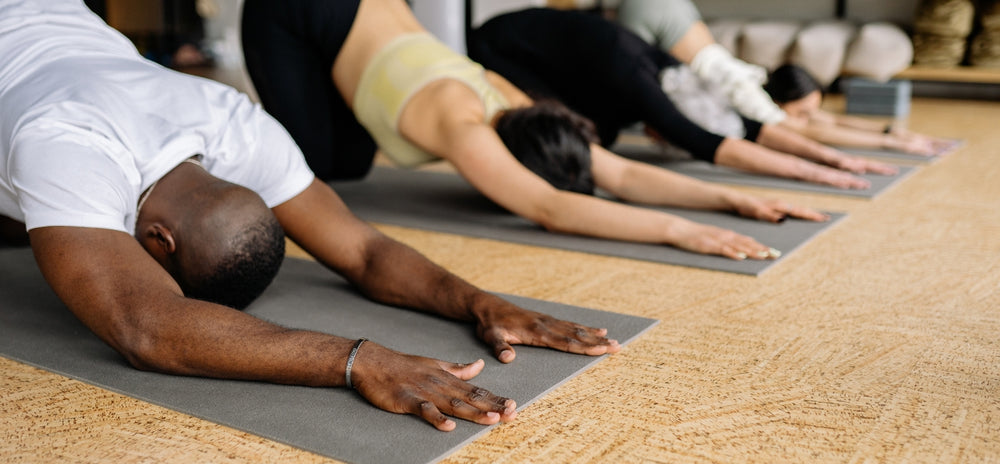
87, 124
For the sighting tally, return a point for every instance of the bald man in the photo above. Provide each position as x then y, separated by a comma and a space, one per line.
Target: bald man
157, 206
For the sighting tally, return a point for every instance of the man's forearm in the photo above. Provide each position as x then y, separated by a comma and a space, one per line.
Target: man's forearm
398, 275
384, 269
215, 341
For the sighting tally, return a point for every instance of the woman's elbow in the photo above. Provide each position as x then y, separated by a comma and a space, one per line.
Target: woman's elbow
553, 214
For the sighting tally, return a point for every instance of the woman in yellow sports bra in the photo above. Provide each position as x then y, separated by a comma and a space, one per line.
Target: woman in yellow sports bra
339, 73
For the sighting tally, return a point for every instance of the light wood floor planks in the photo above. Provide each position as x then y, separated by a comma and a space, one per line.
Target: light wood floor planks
876, 342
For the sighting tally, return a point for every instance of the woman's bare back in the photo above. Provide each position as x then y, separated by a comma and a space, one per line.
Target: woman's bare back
376, 23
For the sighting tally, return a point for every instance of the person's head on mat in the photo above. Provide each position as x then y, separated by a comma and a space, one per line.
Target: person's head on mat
553, 142
795, 91
157, 204
422, 102
218, 240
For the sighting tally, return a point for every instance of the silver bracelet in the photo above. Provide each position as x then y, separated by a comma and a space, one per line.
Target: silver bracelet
350, 361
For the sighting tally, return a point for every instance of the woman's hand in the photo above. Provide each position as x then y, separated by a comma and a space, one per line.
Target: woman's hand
425, 387
774, 210
711, 240
917, 144
502, 325
859, 165
825, 175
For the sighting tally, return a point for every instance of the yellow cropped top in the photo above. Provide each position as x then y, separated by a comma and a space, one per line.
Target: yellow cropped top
399, 71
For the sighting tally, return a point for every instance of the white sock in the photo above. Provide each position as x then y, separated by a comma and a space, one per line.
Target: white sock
715, 64
739, 81
753, 102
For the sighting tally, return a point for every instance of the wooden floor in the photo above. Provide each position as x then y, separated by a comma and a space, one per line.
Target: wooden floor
879, 341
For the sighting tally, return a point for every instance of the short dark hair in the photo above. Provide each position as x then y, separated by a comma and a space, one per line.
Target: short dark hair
255, 257
553, 142
789, 83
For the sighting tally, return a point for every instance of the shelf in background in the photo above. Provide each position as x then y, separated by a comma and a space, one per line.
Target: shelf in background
957, 74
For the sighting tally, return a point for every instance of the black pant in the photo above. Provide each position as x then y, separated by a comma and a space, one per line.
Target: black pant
595, 67
289, 47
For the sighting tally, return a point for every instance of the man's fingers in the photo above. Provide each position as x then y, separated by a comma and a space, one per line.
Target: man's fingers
549, 332
463, 371
432, 414
442, 397
503, 351
575, 338
432, 389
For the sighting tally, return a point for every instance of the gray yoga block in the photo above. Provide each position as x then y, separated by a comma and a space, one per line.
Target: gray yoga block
865, 96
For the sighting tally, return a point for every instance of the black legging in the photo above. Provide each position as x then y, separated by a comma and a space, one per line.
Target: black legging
290, 47
595, 67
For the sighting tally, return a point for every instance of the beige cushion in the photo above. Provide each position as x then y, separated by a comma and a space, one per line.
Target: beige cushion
879, 51
766, 43
820, 48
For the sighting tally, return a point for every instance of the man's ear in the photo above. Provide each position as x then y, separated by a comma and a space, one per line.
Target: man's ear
159, 241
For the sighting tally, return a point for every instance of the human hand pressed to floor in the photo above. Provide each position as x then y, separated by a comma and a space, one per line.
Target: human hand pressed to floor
502, 325
859, 165
833, 177
774, 210
711, 240
918, 144
428, 388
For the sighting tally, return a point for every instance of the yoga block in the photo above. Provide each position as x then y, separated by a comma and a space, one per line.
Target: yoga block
865, 96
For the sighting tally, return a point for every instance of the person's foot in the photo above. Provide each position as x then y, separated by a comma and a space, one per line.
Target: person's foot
752, 101
715, 64
739, 81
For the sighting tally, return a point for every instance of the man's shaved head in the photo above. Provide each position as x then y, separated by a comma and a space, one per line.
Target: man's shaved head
218, 240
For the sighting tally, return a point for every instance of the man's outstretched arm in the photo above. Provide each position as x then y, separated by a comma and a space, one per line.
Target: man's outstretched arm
393, 273
111, 284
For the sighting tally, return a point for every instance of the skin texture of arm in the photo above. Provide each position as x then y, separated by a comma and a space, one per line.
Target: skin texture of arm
390, 272
115, 288
752, 157
848, 131
457, 132
785, 140
639, 182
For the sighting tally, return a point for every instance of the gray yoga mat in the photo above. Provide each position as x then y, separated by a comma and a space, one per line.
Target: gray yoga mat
709, 172
35, 328
953, 145
721, 174
445, 202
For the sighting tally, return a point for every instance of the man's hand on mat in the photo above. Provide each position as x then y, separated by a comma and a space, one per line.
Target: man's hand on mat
501, 326
774, 210
425, 387
711, 240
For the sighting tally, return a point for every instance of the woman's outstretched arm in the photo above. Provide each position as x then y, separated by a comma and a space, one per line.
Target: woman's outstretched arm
457, 132
640, 182
780, 138
848, 131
